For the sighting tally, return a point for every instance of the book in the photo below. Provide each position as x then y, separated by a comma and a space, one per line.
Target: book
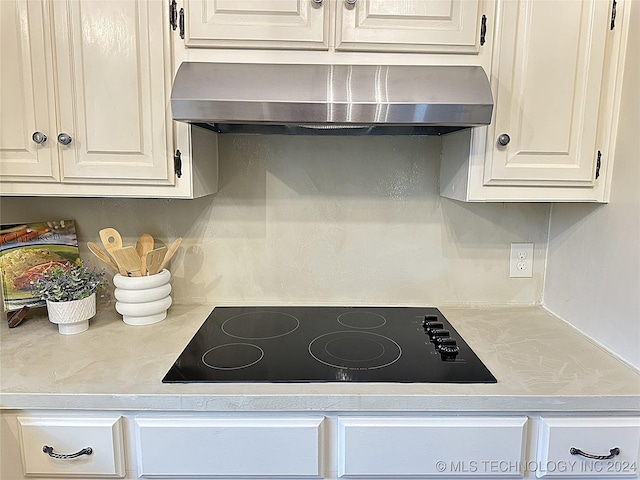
28, 249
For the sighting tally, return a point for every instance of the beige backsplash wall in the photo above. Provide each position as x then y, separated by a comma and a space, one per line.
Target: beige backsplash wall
323, 220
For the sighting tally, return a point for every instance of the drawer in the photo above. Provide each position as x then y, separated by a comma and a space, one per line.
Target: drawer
431, 446
593, 436
178, 447
68, 436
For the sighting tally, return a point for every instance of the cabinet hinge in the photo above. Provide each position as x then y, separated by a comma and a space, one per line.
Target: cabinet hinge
483, 29
598, 163
173, 14
613, 14
182, 23
177, 164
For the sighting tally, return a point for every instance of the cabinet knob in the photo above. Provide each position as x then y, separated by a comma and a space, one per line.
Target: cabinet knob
64, 139
504, 139
317, 2
39, 138
350, 3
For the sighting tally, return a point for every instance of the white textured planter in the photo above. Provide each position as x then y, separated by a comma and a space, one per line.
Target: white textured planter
73, 316
143, 300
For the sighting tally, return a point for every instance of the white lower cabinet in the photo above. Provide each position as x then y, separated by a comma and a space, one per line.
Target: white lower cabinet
174, 447
430, 446
71, 447
297, 445
567, 447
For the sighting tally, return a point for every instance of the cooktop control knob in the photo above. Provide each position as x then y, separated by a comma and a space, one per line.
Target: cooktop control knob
448, 352
431, 326
439, 332
445, 341
429, 318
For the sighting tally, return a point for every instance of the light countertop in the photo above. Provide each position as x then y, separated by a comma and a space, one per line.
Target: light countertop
541, 364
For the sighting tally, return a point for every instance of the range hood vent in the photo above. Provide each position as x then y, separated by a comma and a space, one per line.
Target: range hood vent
331, 99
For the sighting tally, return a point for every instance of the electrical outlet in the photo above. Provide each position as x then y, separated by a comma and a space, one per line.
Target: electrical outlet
521, 260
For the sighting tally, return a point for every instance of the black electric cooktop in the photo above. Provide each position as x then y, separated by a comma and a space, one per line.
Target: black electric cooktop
327, 344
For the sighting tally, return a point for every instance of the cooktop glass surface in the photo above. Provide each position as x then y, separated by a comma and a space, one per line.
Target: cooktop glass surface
328, 344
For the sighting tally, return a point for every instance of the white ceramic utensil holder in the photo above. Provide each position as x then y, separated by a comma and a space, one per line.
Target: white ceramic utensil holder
73, 316
143, 300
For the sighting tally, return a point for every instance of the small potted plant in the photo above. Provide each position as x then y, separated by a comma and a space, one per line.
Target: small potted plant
70, 292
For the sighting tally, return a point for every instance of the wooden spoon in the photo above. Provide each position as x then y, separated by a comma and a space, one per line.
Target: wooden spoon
170, 252
102, 255
127, 258
143, 246
154, 259
111, 240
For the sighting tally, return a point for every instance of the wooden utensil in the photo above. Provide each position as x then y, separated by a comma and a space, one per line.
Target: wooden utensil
111, 239
170, 252
143, 246
102, 255
154, 259
127, 258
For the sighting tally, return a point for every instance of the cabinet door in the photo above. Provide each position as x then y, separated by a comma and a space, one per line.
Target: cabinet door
433, 26
26, 93
419, 447
78, 446
547, 70
186, 447
588, 447
110, 59
257, 23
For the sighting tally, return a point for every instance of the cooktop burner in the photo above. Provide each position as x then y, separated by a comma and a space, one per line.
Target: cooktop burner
354, 350
260, 325
327, 344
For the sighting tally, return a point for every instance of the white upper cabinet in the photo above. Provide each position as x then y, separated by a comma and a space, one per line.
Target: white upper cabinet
548, 76
556, 79
427, 26
430, 26
257, 23
85, 102
27, 111
111, 91
93, 77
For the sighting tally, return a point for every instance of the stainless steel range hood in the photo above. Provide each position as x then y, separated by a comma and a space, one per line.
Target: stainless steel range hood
335, 99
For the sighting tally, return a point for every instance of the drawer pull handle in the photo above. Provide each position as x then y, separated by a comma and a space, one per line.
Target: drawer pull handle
49, 451
612, 453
